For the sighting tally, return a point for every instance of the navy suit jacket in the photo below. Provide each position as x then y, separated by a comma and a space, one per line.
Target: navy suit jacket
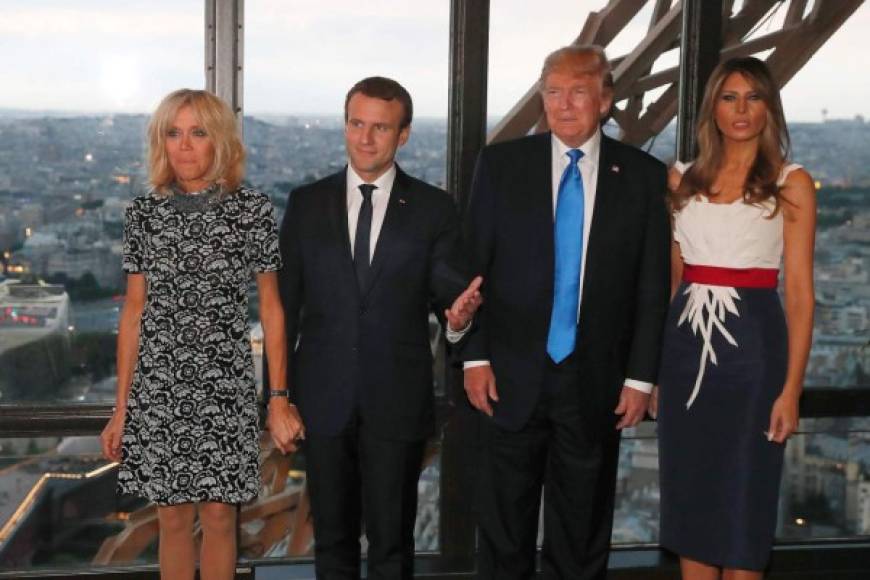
367, 350
509, 232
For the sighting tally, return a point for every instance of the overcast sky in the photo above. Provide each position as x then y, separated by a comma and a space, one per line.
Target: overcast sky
301, 56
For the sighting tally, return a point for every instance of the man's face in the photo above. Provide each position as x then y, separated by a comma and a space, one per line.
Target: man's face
372, 134
575, 101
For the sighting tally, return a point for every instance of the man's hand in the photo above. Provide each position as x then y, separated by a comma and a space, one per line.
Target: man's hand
653, 406
285, 425
480, 388
463, 308
632, 406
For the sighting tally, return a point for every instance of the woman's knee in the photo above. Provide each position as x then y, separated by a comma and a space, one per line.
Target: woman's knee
177, 519
217, 518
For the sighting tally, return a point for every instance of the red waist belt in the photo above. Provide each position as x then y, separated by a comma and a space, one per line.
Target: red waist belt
735, 277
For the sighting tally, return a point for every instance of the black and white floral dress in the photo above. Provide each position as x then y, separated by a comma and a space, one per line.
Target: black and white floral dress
191, 430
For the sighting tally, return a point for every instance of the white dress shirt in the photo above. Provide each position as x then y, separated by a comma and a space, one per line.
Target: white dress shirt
380, 201
588, 165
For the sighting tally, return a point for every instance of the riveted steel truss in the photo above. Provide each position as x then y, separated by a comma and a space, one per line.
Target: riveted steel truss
642, 109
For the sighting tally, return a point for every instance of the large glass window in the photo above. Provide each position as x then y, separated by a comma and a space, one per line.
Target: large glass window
515, 66
79, 81
826, 106
301, 59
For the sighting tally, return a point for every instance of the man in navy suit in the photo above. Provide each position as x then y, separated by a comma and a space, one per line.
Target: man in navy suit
368, 253
570, 232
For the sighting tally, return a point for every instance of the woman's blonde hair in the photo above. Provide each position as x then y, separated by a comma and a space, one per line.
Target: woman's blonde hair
216, 117
773, 148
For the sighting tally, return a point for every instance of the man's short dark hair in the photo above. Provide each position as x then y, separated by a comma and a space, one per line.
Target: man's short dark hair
386, 89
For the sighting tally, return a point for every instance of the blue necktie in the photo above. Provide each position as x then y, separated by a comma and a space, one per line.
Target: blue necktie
569, 256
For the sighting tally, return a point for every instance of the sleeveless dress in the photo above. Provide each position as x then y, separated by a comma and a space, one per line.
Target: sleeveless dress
191, 430
723, 365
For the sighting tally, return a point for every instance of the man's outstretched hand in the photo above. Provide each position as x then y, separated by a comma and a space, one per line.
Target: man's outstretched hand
463, 309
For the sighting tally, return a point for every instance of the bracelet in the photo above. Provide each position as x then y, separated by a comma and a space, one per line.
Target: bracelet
278, 393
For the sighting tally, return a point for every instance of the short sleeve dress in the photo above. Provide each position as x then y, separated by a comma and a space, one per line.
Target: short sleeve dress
191, 431
723, 365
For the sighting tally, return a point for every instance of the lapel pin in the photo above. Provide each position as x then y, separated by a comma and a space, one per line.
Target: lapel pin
614, 168
402, 200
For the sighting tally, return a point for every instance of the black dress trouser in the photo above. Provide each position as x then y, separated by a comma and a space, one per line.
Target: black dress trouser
575, 465
354, 477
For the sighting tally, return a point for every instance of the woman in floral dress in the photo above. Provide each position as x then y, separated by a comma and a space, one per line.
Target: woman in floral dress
185, 428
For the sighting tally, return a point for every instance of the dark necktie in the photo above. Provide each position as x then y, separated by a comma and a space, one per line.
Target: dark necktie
362, 240
569, 257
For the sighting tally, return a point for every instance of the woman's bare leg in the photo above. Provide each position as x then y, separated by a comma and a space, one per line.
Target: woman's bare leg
217, 560
733, 574
176, 553
694, 570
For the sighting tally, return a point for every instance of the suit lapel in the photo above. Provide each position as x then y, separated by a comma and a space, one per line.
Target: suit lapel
605, 218
338, 220
540, 175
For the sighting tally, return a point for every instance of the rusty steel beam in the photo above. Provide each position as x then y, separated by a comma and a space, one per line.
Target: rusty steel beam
793, 44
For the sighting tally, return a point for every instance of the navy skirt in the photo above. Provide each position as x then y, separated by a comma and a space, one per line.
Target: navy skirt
719, 474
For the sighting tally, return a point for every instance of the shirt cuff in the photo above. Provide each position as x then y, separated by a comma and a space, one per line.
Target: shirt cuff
641, 386
470, 364
454, 336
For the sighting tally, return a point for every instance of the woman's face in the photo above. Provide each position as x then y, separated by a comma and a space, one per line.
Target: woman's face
741, 113
190, 150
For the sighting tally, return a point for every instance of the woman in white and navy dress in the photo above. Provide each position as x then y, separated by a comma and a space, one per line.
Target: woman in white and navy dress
733, 361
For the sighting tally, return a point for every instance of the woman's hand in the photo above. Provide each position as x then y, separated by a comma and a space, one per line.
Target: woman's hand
285, 425
110, 438
783, 417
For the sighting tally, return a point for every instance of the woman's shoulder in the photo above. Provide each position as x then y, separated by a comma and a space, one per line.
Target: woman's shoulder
253, 202
793, 173
143, 203
251, 198
796, 183
250, 194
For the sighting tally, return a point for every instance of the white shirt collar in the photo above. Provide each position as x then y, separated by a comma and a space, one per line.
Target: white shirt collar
384, 183
590, 148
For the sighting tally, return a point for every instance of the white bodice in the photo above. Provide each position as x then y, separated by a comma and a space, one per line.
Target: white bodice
727, 235
730, 235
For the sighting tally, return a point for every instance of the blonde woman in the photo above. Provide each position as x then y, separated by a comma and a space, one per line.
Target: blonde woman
733, 360
185, 427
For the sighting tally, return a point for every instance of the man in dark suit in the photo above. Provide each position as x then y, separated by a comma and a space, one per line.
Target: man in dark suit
368, 252
570, 232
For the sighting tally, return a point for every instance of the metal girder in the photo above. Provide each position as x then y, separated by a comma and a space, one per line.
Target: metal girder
224, 21
700, 45
600, 28
793, 43
793, 53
